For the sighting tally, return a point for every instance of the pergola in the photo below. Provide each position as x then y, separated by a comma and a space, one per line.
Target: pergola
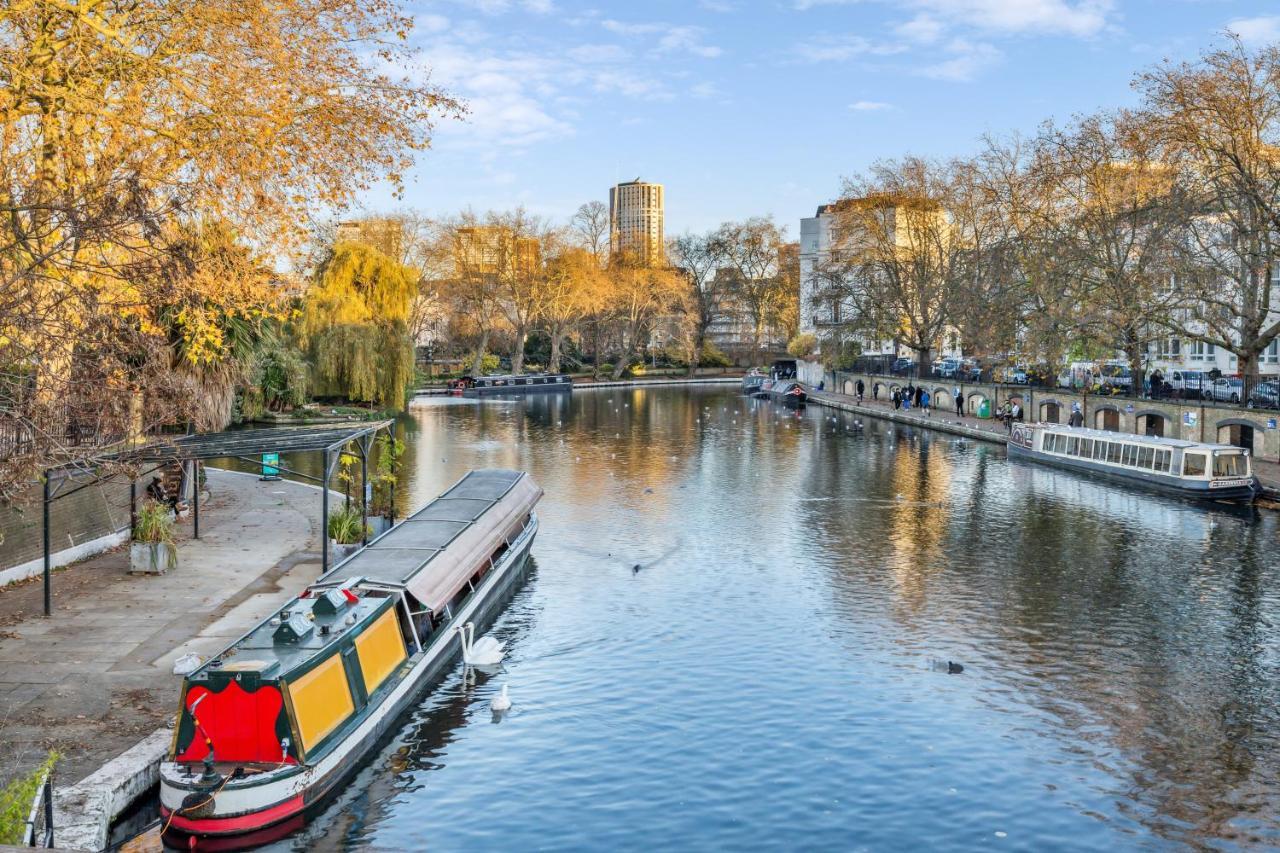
248, 445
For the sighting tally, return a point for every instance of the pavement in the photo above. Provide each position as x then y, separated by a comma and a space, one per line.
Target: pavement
983, 429
97, 677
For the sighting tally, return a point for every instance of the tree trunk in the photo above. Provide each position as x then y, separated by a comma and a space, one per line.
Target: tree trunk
517, 351
1137, 373
699, 341
478, 363
553, 362
926, 360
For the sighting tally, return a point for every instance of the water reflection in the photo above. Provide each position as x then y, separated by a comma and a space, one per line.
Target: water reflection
766, 678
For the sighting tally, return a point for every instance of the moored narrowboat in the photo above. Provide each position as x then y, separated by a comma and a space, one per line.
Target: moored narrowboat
525, 383
271, 727
751, 382
1218, 472
789, 393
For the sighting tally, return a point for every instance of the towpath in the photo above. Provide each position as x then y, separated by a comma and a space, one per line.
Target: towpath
984, 429
97, 676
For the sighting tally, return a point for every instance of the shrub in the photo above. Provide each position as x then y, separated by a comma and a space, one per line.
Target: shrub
16, 798
154, 523
711, 356
802, 345
345, 527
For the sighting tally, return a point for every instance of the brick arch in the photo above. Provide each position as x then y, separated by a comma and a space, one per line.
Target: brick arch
940, 398
847, 388
1151, 422
1051, 411
974, 399
1108, 417
1241, 432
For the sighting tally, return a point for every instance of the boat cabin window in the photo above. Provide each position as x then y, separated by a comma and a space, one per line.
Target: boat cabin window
1113, 452
1100, 450
1193, 465
1162, 460
1146, 456
1230, 465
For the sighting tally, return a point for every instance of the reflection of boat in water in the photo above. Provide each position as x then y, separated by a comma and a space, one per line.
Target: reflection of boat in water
528, 383
1188, 468
273, 725
752, 381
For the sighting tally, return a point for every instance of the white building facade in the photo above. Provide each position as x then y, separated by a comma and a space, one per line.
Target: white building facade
636, 226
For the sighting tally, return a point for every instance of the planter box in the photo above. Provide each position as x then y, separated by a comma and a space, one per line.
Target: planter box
152, 558
378, 524
338, 553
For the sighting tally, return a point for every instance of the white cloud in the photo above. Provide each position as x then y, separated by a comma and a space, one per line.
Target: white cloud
923, 28
704, 90
1260, 30
967, 60
1080, 18
594, 53
870, 106
671, 38
841, 49
431, 23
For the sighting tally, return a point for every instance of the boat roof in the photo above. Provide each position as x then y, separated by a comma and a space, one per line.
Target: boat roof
1111, 435
511, 377
434, 551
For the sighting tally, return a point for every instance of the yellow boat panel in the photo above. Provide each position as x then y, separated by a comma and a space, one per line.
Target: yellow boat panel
321, 701
380, 649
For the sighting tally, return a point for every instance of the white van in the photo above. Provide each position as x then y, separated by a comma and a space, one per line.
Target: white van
1189, 384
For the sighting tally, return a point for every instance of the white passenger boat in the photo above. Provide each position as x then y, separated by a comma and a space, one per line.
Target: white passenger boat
1217, 472
275, 723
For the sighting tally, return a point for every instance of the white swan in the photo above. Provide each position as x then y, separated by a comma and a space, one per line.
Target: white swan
500, 703
483, 652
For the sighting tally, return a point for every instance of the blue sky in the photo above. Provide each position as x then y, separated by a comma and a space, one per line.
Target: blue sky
760, 107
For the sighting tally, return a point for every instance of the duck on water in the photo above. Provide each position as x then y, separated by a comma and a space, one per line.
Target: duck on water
273, 725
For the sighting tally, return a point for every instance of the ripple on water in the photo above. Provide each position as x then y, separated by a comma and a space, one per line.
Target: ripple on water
770, 678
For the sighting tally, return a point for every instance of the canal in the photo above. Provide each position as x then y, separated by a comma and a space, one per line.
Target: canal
737, 634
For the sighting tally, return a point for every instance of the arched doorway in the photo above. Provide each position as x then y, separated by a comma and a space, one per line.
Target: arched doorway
1238, 433
1151, 423
1108, 418
976, 405
848, 387
1051, 412
942, 400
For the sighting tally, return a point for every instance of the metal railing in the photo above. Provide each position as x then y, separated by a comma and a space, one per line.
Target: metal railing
1253, 392
40, 820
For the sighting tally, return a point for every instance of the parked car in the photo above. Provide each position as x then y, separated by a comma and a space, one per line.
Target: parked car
1265, 395
1227, 390
1115, 378
948, 368
1016, 376
903, 366
1188, 384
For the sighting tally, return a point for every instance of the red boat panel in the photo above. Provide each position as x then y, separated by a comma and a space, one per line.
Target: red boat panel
242, 725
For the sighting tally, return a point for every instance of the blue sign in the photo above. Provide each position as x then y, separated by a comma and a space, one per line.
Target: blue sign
269, 463
1129, 408
1189, 418
1271, 423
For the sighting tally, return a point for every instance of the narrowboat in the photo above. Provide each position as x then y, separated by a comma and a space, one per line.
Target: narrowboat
751, 382
789, 393
528, 383
1218, 472
273, 725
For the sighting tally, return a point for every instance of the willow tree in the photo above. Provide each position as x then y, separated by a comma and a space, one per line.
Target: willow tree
354, 325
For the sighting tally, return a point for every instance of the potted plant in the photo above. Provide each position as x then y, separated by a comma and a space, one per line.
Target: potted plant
346, 531
153, 551
382, 484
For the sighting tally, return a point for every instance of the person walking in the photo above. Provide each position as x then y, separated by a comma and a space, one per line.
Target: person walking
859, 388
1077, 416
875, 391
924, 404
919, 395
897, 398
906, 399
957, 394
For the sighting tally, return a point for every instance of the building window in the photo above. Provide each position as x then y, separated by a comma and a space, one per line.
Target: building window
1201, 351
1271, 355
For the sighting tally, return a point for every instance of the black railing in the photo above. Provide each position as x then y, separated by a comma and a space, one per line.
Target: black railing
40, 820
1253, 392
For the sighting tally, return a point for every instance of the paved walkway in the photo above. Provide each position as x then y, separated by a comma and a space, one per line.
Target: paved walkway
986, 429
97, 676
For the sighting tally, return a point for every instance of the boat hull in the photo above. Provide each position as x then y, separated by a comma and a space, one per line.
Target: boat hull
1244, 493
243, 810
547, 388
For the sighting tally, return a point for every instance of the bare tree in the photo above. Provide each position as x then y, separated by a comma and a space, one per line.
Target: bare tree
750, 250
697, 257
1218, 121
591, 226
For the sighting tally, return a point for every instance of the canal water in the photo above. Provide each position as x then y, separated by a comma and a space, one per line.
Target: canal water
737, 630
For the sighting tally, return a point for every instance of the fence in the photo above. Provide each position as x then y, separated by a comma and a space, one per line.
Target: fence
40, 820
1174, 385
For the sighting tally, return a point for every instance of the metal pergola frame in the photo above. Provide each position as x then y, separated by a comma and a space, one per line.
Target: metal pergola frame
248, 445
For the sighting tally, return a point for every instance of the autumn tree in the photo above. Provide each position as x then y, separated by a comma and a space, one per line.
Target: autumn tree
575, 290
638, 297
1217, 121
118, 120
354, 324
697, 257
750, 251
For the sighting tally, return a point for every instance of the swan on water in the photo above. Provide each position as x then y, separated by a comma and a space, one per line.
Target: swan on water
483, 652
500, 703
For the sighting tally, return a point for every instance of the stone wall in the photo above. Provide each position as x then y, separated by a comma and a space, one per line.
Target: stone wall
1193, 420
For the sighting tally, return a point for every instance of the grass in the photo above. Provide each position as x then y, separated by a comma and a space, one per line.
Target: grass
16, 798
154, 523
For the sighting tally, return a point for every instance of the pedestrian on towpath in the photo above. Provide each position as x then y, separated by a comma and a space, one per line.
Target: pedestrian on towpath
958, 395
924, 403
906, 400
897, 398
1077, 416
919, 396
859, 388
875, 391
